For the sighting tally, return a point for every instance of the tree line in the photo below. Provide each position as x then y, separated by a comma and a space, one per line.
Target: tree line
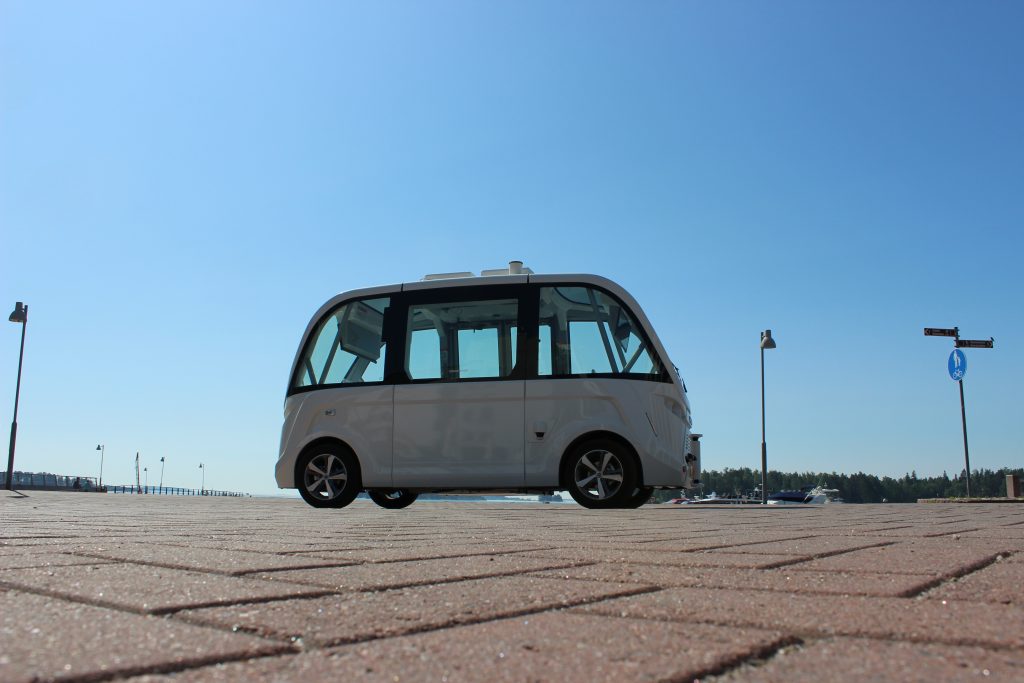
855, 488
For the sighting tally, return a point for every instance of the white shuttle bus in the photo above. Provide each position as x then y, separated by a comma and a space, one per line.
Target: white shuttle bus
508, 382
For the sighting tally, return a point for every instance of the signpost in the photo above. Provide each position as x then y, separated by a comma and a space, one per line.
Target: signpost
957, 366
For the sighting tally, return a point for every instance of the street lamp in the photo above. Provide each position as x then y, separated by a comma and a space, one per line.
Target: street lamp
766, 343
161, 473
145, 472
202, 487
19, 315
102, 448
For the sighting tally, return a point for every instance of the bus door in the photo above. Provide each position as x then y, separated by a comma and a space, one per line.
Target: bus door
459, 406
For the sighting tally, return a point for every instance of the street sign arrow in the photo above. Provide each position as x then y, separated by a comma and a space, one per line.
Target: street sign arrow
940, 332
975, 343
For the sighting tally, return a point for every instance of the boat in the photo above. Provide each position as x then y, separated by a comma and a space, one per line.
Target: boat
806, 495
715, 499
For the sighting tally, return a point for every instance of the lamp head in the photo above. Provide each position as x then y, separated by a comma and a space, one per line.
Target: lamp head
766, 340
99, 448
19, 314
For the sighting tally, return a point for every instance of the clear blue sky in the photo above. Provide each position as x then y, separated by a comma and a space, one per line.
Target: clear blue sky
183, 184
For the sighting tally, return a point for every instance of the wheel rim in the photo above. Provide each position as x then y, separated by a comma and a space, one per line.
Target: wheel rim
326, 476
598, 474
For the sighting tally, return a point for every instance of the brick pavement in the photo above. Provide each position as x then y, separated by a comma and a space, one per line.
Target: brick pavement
102, 587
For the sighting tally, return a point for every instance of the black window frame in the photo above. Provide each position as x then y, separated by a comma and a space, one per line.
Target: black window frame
293, 388
394, 369
395, 335
662, 377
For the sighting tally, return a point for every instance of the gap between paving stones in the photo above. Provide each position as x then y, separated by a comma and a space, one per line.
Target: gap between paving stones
808, 634
157, 611
174, 667
963, 572
303, 645
788, 643
238, 572
300, 553
822, 555
425, 582
719, 545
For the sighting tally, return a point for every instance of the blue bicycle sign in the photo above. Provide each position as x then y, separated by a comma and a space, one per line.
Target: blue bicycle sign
957, 365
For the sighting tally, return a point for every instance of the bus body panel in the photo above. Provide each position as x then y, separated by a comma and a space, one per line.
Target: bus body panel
362, 417
459, 435
559, 411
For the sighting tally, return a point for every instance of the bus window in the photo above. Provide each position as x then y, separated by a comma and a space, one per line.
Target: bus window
462, 340
347, 347
584, 331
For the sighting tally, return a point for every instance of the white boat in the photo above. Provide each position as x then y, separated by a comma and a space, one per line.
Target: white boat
807, 495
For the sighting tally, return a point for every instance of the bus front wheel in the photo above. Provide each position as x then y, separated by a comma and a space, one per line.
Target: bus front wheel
328, 476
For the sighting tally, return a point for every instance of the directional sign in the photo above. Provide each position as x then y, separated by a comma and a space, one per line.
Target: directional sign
939, 332
975, 343
957, 365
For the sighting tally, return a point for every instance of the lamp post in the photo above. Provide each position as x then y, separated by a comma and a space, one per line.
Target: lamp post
145, 473
161, 473
202, 486
102, 448
766, 343
19, 315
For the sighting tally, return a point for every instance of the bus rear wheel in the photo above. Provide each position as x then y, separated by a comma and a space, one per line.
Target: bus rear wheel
601, 474
394, 499
328, 476
639, 497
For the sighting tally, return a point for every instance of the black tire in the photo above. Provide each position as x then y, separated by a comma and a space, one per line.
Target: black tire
394, 499
639, 497
328, 476
601, 474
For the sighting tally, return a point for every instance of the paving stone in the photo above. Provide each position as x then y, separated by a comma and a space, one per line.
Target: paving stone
354, 617
266, 546
642, 555
725, 540
848, 659
782, 579
144, 588
537, 647
1001, 582
396, 553
953, 622
412, 573
815, 546
918, 556
205, 559
42, 559
51, 639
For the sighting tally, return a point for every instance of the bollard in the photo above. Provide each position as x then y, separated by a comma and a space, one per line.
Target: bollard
1012, 486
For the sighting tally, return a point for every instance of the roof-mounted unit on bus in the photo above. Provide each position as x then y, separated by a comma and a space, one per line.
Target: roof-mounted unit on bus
514, 268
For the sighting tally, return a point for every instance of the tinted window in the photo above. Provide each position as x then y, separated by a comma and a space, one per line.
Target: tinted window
585, 331
346, 347
462, 339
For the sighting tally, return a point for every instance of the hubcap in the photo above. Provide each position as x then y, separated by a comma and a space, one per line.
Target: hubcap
326, 476
598, 474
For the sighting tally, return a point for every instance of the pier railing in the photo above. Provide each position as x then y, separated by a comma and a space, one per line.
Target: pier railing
171, 491
45, 481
